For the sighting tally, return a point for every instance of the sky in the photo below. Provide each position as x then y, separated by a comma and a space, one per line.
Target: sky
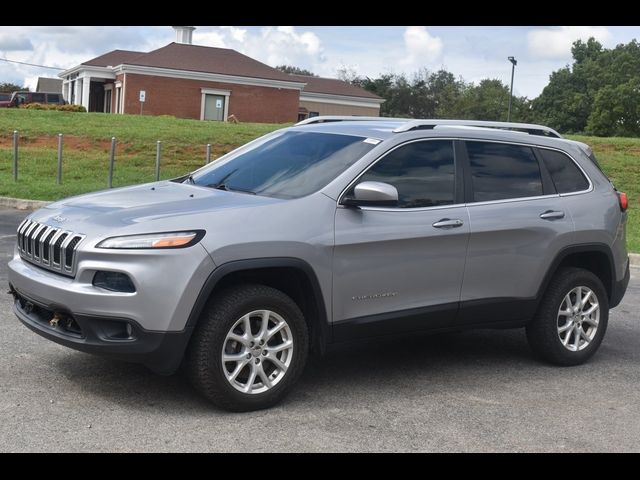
473, 53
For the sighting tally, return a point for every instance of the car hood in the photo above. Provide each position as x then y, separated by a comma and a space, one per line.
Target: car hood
168, 203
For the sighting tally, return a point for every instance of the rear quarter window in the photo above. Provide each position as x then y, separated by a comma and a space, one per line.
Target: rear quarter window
566, 175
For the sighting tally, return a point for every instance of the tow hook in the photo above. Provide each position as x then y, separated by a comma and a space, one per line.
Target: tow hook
57, 316
12, 292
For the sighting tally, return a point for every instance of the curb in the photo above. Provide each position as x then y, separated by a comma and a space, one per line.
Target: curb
22, 204
634, 260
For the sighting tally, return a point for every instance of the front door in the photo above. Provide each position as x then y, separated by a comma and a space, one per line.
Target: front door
400, 269
214, 107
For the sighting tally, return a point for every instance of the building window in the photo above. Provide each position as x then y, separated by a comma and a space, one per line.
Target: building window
314, 114
302, 116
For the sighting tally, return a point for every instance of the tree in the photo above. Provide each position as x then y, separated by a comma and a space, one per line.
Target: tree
348, 74
596, 94
295, 70
11, 87
616, 111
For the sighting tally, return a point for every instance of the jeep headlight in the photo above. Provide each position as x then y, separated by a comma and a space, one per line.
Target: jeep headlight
154, 240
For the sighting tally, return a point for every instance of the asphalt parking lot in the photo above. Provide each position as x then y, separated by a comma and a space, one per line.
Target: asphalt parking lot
472, 391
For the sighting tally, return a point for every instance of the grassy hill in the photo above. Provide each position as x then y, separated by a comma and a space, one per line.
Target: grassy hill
88, 140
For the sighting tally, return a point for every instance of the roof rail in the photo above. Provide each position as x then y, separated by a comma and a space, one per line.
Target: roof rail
345, 118
530, 128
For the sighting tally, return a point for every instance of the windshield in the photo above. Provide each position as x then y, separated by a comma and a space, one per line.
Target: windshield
285, 165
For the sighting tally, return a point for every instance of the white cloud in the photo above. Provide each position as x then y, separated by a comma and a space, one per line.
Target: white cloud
271, 45
14, 42
555, 42
210, 39
422, 47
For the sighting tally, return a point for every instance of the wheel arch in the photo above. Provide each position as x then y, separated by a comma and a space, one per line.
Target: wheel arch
292, 276
595, 257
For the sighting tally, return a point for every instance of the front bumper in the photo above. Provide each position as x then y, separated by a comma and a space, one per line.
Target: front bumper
167, 283
162, 352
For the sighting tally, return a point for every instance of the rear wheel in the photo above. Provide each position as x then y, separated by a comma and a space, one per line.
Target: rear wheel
249, 348
572, 319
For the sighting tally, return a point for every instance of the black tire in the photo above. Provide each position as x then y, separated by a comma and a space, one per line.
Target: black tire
204, 357
542, 331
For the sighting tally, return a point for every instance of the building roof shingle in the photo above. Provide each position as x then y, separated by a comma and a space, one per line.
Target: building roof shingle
333, 86
113, 58
195, 58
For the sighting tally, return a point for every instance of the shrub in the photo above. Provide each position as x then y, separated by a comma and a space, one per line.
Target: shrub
53, 106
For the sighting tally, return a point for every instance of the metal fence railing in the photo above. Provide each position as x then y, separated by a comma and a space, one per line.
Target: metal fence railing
112, 158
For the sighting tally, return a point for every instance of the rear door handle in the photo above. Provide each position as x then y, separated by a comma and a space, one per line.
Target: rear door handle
448, 223
552, 215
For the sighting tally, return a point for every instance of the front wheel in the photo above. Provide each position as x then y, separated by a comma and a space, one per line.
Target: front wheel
249, 348
572, 318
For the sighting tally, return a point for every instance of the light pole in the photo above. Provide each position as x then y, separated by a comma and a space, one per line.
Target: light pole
514, 62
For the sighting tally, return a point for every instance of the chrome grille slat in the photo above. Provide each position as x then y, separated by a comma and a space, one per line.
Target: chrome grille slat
21, 231
52, 243
43, 234
42, 245
63, 250
27, 239
35, 241
57, 252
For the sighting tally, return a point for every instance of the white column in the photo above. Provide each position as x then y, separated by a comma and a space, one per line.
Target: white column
65, 90
86, 84
77, 91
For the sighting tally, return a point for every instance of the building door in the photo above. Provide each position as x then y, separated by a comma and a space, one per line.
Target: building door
214, 107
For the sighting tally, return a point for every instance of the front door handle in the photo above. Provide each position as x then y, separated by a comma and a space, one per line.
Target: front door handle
448, 223
552, 215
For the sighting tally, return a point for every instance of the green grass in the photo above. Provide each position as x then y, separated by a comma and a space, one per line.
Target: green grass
87, 144
88, 135
135, 130
620, 159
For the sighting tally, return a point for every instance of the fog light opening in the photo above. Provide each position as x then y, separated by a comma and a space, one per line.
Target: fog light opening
113, 281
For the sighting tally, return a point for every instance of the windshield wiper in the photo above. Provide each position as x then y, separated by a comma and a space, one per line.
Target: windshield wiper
221, 185
227, 188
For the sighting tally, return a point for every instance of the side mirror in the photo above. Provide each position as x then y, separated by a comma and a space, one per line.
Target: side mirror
372, 194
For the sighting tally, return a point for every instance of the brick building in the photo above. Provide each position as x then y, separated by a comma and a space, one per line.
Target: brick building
206, 83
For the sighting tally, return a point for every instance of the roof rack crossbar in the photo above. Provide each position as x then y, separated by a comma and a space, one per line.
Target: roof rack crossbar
529, 128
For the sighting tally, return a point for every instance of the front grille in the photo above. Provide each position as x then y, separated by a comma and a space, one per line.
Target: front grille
48, 247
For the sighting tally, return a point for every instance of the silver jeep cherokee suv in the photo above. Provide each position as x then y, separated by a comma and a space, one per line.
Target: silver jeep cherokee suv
334, 229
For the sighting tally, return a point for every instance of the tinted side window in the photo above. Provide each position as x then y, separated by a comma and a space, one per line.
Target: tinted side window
565, 174
423, 173
37, 97
53, 97
500, 171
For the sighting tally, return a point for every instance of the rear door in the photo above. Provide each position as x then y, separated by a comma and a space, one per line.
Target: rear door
400, 269
518, 225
